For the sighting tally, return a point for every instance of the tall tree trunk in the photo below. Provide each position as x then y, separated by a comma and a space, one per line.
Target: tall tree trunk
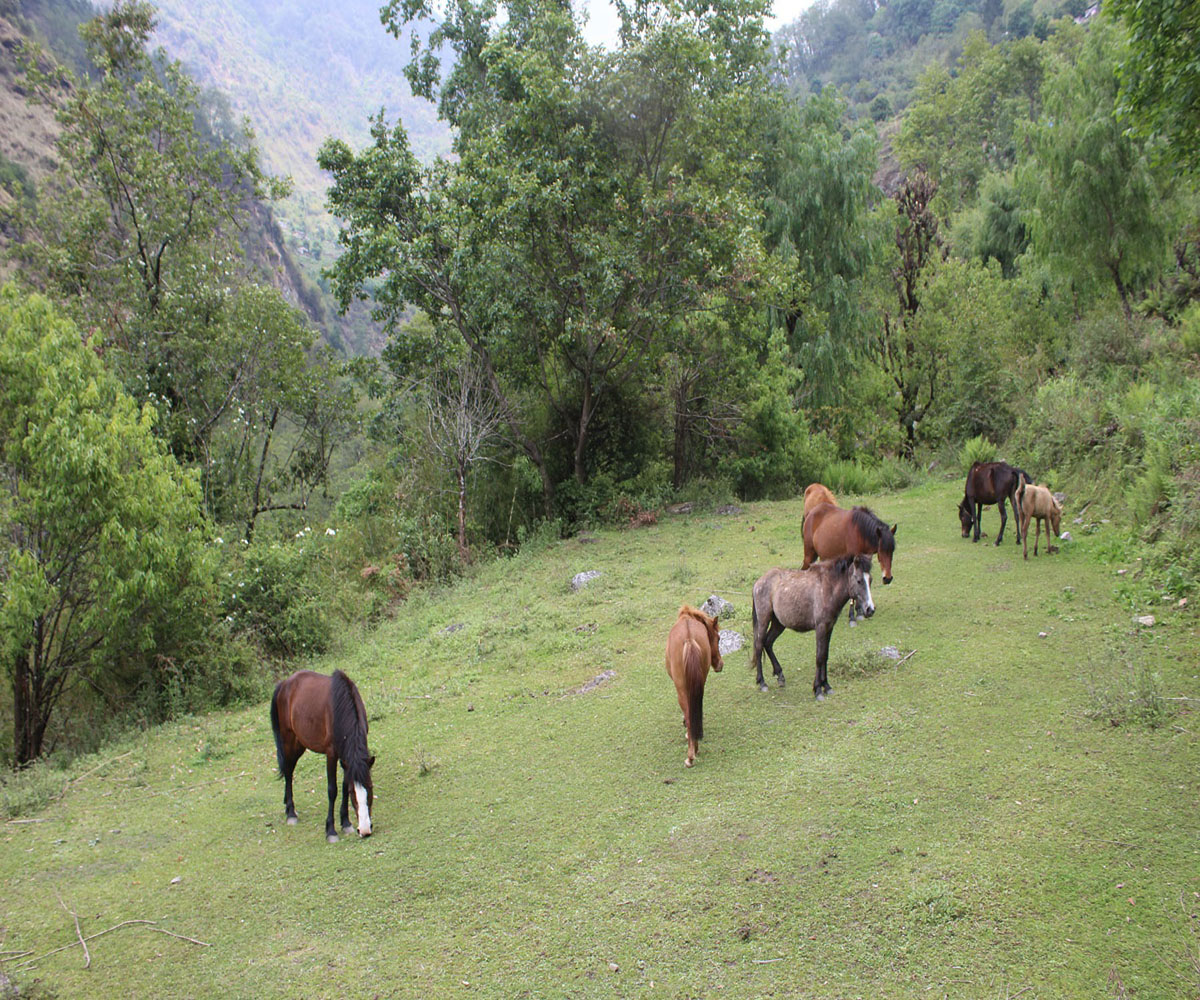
1122, 291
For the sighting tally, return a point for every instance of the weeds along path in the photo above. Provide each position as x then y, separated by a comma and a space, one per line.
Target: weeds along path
951, 825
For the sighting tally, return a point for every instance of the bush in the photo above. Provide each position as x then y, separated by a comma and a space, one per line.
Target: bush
977, 449
270, 597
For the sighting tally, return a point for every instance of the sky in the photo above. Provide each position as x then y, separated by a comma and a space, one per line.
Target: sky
603, 22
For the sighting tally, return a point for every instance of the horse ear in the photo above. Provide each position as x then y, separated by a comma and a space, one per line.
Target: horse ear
371, 761
895, 526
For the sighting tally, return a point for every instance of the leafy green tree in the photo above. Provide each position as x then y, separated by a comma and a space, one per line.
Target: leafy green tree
102, 560
819, 190
137, 237
959, 127
1160, 75
596, 201
910, 352
1099, 207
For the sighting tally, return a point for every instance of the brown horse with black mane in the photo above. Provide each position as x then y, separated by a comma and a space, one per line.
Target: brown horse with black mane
991, 483
693, 646
831, 532
310, 711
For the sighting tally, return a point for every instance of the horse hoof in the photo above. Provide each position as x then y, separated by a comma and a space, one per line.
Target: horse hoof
331, 838
820, 696
689, 762
347, 831
292, 821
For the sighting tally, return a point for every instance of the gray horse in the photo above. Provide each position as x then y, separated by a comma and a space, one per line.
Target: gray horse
807, 600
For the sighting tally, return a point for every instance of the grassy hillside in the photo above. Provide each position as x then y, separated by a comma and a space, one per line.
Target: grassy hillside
953, 825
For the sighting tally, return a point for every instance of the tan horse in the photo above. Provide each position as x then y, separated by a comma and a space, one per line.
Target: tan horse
693, 646
1038, 503
817, 494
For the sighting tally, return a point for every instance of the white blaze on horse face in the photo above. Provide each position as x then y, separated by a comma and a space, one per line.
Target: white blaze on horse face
870, 608
364, 811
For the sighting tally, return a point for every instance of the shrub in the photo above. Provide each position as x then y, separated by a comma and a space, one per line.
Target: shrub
977, 449
1128, 696
270, 597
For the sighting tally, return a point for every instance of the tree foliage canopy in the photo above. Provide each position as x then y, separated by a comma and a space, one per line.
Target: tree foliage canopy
101, 539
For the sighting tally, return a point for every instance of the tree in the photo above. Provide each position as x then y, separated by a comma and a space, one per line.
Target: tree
596, 201
916, 363
819, 191
102, 559
1160, 74
462, 420
137, 237
1098, 202
959, 127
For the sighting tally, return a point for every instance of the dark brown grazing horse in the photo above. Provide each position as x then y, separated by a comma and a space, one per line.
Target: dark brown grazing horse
310, 711
988, 483
807, 600
830, 532
693, 645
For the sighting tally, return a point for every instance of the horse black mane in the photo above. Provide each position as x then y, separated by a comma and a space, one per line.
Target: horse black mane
350, 730
845, 562
867, 522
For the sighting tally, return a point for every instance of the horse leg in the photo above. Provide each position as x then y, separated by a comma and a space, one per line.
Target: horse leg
821, 681
977, 519
774, 631
331, 765
756, 656
681, 694
344, 816
291, 755
1003, 519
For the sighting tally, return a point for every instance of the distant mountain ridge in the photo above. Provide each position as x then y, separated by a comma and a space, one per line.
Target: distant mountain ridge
301, 72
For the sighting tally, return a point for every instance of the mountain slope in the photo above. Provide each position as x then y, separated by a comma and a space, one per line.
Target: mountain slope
301, 72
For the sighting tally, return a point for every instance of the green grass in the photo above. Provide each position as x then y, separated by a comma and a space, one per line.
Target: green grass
953, 825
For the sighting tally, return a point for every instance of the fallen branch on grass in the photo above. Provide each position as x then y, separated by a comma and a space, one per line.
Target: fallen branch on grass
87, 955
152, 924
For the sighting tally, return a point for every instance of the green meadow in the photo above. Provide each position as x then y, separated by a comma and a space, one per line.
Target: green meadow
1013, 810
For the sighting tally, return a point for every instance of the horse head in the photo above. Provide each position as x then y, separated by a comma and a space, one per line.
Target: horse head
965, 516
858, 576
714, 644
885, 545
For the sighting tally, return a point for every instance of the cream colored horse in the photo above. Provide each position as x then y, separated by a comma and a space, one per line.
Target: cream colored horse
1038, 503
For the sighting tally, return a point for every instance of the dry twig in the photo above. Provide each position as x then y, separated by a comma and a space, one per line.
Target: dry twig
87, 955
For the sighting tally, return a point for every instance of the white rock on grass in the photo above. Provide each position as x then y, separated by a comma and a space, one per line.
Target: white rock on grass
731, 641
581, 580
717, 607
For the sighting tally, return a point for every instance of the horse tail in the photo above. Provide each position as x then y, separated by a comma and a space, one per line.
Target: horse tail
275, 729
349, 728
693, 670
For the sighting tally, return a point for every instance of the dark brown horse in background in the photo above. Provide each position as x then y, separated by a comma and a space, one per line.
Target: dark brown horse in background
807, 600
991, 483
693, 645
310, 711
831, 532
